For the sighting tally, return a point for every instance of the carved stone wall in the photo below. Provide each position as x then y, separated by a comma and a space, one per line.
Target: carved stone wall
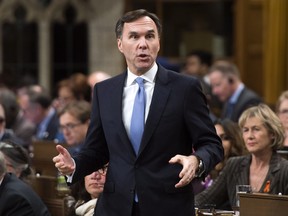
100, 16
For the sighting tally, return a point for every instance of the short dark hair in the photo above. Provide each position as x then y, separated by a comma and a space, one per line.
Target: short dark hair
41, 98
134, 15
204, 56
79, 109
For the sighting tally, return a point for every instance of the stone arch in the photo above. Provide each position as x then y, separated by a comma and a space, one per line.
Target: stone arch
55, 12
32, 8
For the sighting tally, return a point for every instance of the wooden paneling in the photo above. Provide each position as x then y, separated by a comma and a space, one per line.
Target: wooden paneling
249, 42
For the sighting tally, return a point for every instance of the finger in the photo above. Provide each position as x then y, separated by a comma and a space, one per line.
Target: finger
56, 159
175, 159
61, 149
182, 173
182, 183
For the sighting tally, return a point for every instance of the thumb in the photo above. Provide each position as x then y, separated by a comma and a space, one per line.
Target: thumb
175, 159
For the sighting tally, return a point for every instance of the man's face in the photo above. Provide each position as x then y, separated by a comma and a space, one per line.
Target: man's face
139, 44
73, 130
33, 112
220, 85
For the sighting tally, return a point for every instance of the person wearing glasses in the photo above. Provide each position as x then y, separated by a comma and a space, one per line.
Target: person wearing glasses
16, 197
74, 121
7, 134
87, 191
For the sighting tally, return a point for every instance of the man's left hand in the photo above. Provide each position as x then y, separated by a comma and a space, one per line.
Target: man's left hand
190, 165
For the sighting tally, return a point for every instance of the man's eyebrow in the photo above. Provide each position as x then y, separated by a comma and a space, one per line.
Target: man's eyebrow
135, 33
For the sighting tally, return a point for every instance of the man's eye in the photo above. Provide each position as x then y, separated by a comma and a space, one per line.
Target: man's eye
150, 36
134, 36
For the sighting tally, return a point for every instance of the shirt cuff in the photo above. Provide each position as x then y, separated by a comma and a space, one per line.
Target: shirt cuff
70, 177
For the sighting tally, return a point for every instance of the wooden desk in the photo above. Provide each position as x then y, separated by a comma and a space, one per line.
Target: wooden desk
43, 152
46, 188
259, 204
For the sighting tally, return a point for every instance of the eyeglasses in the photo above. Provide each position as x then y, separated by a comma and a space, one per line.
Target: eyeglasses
103, 170
2, 120
69, 126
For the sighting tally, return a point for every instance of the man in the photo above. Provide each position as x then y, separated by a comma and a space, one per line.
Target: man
228, 87
16, 197
14, 118
37, 107
74, 120
150, 175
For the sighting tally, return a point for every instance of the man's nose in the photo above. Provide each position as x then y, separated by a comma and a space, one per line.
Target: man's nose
142, 43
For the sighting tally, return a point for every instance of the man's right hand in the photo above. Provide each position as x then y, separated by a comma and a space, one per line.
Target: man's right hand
63, 161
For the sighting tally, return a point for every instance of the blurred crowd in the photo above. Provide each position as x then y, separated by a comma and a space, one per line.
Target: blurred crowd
251, 131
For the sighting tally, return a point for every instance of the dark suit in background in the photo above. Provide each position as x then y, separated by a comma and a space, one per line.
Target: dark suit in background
246, 99
17, 198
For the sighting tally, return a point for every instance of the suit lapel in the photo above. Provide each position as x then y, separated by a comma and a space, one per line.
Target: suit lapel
158, 103
117, 96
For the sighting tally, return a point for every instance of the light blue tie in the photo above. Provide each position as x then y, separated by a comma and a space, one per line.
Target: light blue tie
138, 116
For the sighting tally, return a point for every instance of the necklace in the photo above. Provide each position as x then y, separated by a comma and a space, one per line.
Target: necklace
257, 178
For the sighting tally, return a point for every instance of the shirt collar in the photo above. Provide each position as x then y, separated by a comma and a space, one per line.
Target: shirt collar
236, 94
149, 76
1, 179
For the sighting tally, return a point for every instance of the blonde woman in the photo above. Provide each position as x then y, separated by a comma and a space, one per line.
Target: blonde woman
262, 168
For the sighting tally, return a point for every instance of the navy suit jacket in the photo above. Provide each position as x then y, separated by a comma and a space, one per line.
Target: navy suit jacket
17, 198
178, 121
246, 99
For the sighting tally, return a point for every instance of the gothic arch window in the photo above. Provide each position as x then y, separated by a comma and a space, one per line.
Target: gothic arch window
20, 48
70, 47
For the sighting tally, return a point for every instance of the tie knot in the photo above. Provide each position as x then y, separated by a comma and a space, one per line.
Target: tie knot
140, 81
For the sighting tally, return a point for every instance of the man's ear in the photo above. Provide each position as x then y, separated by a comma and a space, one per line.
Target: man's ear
119, 44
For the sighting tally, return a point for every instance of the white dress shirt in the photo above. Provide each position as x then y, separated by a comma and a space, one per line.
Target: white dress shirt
130, 91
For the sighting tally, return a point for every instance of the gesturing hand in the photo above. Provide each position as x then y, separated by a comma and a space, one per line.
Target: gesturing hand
63, 161
190, 165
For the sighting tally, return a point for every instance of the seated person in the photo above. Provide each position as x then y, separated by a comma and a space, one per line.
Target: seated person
17, 160
74, 121
232, 142
233, 145
16, 197
87, 191
263, 169
7, 134
282, 111
14, 117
